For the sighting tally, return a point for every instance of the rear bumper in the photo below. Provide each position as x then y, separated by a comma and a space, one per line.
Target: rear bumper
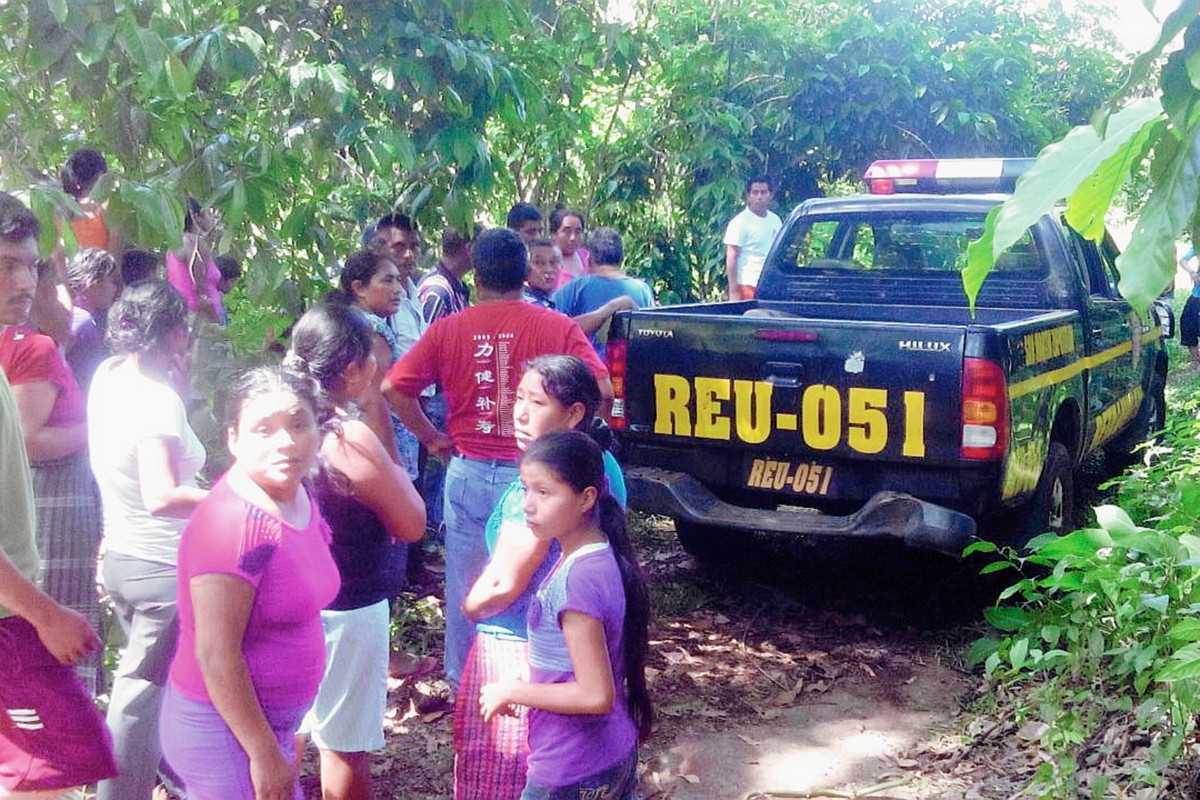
890, 515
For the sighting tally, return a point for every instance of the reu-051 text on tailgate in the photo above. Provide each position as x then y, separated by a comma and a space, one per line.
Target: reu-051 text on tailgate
868, 420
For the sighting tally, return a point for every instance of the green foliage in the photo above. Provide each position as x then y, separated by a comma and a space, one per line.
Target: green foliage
1091, 164
302, 121
1102, 626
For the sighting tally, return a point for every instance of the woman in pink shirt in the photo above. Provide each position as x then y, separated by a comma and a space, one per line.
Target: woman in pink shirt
254, 573
192, 270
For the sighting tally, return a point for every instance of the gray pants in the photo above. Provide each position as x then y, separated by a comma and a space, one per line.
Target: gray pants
144, 595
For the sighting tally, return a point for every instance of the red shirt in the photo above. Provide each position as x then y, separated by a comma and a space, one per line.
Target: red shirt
31, 357
477, 356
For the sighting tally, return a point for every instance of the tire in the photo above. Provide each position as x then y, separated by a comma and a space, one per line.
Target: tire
1052, 507
709, 544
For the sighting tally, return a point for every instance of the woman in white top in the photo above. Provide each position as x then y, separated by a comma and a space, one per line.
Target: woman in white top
145, 458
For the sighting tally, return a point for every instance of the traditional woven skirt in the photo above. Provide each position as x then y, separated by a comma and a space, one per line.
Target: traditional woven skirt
489, 760
69, 528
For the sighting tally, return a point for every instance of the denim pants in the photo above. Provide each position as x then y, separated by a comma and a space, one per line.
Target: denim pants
472, 490
144, 595
618, 782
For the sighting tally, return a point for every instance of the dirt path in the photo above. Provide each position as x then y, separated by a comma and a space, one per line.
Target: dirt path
855, 685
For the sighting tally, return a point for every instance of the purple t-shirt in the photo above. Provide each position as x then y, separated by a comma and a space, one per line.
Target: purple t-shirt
565, 748
294, 577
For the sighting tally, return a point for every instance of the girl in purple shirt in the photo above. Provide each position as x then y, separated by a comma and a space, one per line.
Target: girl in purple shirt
588, 632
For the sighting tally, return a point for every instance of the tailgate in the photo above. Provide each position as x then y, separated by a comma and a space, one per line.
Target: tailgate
811, 407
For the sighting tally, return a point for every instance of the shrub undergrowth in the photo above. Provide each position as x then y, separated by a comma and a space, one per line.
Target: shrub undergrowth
1097, 646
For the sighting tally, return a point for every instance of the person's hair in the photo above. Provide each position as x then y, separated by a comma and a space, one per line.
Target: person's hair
17, 223
521, 213
606, 247
230, 269
82, 169
144, 316
138, 265
397, 220
191, 211
87, 267
500, 260
541, 241
454, 241
265, 380
577, 461
760, 178
559, 214
328, 338
361, 267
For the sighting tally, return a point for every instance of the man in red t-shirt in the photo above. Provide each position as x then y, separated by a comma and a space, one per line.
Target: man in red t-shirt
477, 356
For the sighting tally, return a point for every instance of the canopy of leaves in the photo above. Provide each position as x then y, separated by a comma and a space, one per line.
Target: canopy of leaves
302, 120
1091, 163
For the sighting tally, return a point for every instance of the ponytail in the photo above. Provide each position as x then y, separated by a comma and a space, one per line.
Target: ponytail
579, 462
635, 641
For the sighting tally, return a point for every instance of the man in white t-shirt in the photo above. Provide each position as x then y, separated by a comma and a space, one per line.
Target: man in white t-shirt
749, 237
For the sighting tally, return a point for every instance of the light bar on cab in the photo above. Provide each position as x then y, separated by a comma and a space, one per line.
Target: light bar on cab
945, 175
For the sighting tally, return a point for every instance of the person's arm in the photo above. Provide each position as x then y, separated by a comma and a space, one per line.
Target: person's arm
222, 605
65, 633
731, 259
158, 479
412, 416
518, 555
52, 304
593, 321
376, 480
35, 401
198, 259
592, 692
375, 408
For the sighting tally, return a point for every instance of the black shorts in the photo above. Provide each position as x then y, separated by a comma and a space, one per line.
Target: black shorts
1189, 323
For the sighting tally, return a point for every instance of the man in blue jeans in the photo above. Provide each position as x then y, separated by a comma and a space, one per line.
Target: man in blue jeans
477, 355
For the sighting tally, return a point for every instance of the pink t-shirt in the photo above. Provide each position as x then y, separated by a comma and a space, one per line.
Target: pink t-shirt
31, 357
477, 356
181, 278
294, 577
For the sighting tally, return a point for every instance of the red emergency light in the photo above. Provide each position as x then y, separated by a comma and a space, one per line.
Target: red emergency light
945, 175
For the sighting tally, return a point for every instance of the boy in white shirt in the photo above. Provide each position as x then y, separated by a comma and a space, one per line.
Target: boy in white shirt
748, 238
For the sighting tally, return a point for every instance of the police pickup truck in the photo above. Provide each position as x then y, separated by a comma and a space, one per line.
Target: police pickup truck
858, 396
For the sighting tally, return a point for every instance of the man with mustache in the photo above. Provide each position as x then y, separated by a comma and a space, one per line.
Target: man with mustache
51, 737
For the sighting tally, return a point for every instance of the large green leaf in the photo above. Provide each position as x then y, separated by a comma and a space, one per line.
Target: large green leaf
1059, 169
1148, 265
1088, 205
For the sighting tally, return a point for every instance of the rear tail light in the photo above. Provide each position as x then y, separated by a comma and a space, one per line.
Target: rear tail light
985, 413
615, 356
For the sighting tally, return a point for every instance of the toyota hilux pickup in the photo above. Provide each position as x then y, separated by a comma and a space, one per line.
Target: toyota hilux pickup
859, 396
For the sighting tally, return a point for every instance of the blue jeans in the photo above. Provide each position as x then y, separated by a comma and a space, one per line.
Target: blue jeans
618, 782
472, 490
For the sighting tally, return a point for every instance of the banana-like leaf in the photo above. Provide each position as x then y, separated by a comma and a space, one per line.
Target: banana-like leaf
1089, 203
1059, 170
1148, 265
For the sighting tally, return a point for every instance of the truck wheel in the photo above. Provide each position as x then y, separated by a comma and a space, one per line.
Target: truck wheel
709, 545
1053, 505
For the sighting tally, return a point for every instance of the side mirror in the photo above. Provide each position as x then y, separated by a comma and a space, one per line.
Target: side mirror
1165, 316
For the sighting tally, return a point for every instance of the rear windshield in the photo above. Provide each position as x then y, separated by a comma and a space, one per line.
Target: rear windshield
895, 242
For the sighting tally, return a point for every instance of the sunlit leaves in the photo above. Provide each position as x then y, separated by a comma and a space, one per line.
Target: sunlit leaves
1059, 170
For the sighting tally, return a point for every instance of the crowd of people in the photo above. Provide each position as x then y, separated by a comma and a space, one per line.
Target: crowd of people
255, 604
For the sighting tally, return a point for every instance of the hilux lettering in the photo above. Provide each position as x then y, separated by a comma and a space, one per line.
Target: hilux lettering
917, 346
722, 409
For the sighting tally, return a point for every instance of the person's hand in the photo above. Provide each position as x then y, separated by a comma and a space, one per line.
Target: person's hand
272, 776
735, 291
493, 700
440, 446
67, 635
